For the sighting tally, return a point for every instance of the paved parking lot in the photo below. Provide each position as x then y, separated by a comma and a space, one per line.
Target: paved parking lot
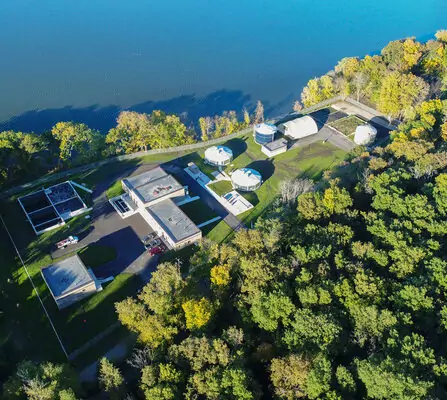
109, 229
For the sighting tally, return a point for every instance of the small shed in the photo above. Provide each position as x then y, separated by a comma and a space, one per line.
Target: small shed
274, 148
246, 179
299, 128
69, 281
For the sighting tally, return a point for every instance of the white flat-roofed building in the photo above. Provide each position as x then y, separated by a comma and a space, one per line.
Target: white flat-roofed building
152, 186
218, 155
246, 179
274, 148
69, 281
299, 128
172, 224
151, 194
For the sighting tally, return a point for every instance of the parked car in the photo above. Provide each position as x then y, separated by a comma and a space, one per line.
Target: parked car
147, 239
67, 242
154, 243
156, 250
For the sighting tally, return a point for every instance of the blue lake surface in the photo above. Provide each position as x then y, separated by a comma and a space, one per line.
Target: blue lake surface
85, 60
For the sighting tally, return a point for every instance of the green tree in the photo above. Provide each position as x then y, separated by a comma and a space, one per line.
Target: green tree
46, 381
289, 376
111, 379
268, 310
77, 142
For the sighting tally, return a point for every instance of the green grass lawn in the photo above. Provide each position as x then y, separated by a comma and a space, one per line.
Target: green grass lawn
95, 255
221, 187
115, 190
307, 162
198, 211
78, 323
218, 232
347, 125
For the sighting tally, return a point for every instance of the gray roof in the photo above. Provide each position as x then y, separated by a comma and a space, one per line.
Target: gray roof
173, 220
152, 185
136, 181
66, 276
277, 144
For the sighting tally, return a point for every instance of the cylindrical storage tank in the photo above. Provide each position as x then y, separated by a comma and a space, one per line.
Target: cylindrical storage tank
218, 156
365, 134
246, 179
264, 133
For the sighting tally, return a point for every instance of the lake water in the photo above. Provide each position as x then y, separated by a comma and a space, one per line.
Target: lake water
85, 60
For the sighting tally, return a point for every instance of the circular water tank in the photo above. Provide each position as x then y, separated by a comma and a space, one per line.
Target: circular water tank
365, 134
218, 155
264, 133
246, 179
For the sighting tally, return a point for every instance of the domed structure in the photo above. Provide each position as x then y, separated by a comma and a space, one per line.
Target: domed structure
264, 133
365, 134
218, 155
299, 127
246, 179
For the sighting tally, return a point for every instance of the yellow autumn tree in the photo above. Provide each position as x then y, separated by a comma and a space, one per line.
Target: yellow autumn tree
197, 313
444, 131
220, 275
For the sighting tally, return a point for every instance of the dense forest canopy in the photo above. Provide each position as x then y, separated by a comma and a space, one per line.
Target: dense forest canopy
338, 292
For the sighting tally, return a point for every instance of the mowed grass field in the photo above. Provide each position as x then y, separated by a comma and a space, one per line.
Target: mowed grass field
301, 162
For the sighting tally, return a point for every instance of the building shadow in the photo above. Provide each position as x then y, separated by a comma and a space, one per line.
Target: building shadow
382, 132
321, 117
128, 247
264, 167
252, 197
237, 145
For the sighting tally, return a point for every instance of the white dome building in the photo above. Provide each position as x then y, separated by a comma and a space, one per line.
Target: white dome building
246, 179
299, 128
365, 134
218, 155
264, 133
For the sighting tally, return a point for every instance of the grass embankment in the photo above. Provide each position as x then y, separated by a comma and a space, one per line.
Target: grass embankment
221, 187
115, 190
347, 125
198, 211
